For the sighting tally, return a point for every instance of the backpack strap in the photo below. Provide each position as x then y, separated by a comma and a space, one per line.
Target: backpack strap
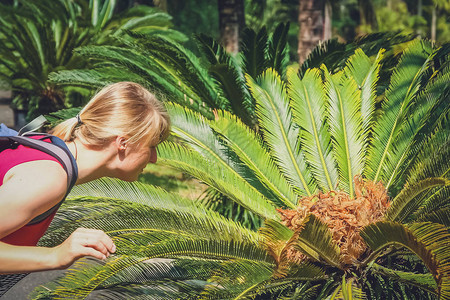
34, 125
57, 149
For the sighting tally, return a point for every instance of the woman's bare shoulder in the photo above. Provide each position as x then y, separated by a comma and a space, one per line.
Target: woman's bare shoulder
30, 189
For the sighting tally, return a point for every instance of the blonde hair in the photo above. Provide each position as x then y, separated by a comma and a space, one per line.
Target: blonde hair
121, 109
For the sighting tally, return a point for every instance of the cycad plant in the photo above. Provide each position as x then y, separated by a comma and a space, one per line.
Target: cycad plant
38, 37
215, 79
355, 201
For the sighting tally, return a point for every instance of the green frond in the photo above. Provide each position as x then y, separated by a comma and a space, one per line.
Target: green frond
253, 54
440, 216
278, 49
424, 126
151, 214
308, 103
315, 240
423, 281
236, 277
427, 240
285, 288
229, 76
249, 148
437, 200
212, 50
279, 132
407, 202
433, 160
275, 232
348, 290
85, 277
403, 88
330, 51
195, 129
61, 115
84, 78
181, 64
346, 127
225, 180
232, 84
135, 192
307, 271
151, 279
365, 72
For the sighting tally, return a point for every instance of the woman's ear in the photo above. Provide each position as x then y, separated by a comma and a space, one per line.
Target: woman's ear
121, 143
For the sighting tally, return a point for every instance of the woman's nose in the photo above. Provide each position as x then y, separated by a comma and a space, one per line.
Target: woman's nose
153, 155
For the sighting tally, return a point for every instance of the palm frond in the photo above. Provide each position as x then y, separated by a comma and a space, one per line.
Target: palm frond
278, 50
404, 85
344, 118
315, 240
365, 73
423, 281
407, 202
253, 53
275, 238
179, 63
249, 148
196, 130
229, 76
427, 118
225, 180
330, 50
437, 200
433, 160
440, 216
280, 133
348, 290
236, 277
426, 240
308, 98
135, 192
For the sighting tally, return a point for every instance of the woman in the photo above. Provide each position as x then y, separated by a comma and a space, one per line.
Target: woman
114, 135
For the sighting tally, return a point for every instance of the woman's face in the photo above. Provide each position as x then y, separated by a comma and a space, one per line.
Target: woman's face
134, 160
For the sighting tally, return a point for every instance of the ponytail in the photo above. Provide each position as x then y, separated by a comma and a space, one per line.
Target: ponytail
66, 129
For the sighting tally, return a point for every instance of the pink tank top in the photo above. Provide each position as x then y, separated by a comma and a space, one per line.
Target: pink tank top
27, 235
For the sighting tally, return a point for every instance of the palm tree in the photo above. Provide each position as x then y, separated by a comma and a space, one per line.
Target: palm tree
354, 198
38, 37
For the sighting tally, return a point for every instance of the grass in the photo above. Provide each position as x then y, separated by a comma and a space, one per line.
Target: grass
172, 181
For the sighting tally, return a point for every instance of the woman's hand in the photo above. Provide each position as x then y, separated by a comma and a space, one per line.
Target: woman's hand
82, 242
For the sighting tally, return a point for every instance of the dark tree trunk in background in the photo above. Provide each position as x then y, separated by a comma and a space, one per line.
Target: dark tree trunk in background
231, 22
311, 21
367, 14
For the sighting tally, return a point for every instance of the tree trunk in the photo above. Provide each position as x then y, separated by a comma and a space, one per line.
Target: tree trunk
433, 23
162, 4
328, 15
310, 18
231, 22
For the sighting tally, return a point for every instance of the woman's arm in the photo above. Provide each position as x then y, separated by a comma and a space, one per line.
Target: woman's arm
82, 242
30, 189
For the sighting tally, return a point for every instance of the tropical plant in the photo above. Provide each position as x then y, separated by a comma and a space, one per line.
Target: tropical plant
38, 37
213, 81
216, 79
355, 201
